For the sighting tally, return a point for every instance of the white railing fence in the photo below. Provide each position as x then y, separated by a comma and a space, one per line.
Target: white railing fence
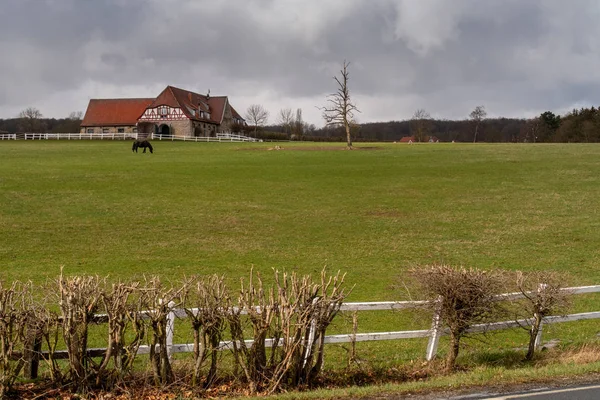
220, 137
80, 136
434, 333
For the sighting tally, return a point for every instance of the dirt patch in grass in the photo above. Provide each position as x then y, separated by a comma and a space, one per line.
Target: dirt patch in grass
312, 148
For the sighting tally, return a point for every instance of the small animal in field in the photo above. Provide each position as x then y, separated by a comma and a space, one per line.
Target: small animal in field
145, 144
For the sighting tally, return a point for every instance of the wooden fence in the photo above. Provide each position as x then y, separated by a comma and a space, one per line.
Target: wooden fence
434, 333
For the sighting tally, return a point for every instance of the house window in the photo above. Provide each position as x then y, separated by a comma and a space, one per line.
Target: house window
121, 130
163, 111
104, 130
134, 130
90, 130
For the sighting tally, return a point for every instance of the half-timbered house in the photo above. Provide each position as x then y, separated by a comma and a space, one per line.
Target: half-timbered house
174, 112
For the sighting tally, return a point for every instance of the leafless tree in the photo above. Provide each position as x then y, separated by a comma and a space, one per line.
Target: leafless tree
465, 297
76, 116
420, 125
544, 295
257, 115
477, 115
30, 119
298, 125
340, 109
286, 119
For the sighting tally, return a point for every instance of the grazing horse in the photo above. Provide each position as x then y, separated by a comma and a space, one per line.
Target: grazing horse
145, 144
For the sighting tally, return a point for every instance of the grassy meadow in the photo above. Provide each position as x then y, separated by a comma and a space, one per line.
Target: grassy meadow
95, 207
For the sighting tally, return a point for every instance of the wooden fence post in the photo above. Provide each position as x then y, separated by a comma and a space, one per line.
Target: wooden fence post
31, 355
434, 339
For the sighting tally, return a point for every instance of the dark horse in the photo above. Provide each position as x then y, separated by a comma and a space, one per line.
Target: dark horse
144, 144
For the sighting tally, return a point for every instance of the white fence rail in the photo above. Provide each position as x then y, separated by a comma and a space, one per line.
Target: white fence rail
221, 137
80, 136
433, 334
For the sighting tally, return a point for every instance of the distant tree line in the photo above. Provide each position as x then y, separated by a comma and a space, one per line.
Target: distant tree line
578, 126
31, 120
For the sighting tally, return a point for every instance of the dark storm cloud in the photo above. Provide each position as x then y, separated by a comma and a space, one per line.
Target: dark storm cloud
516, 57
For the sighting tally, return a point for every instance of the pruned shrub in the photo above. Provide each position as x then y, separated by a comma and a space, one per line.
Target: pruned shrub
15, 318
206, 304
465, 296
79, 298
126, 332
544, 295
160, 300
291, 318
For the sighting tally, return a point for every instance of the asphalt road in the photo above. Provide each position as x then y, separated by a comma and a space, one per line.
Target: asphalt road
575, 393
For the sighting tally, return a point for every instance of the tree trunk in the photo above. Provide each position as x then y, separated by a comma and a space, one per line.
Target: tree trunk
453, 353
348, 138
533, 332
476, 131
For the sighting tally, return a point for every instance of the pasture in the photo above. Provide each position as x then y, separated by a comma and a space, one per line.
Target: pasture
199, 208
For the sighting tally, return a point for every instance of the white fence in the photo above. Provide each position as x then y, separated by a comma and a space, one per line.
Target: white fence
80, 136
433, 334
221, 137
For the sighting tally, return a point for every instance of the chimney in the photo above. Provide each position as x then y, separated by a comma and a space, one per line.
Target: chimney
208, 95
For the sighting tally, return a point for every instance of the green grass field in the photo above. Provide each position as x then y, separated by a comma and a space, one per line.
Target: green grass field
200, 208
94, 207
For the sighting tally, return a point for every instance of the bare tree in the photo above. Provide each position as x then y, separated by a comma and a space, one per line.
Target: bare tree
544, 295
465, 297
477, 115
286, 119
420, 125
30, 119
340, 109
76, 116
298, 125
257, 115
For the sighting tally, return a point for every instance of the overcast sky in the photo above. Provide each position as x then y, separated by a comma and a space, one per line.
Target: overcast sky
516, 57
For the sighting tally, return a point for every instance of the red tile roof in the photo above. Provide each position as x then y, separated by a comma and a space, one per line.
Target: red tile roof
113, 112
103, 112
186, 100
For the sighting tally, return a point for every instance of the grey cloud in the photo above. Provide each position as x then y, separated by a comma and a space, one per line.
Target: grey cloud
445, 56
